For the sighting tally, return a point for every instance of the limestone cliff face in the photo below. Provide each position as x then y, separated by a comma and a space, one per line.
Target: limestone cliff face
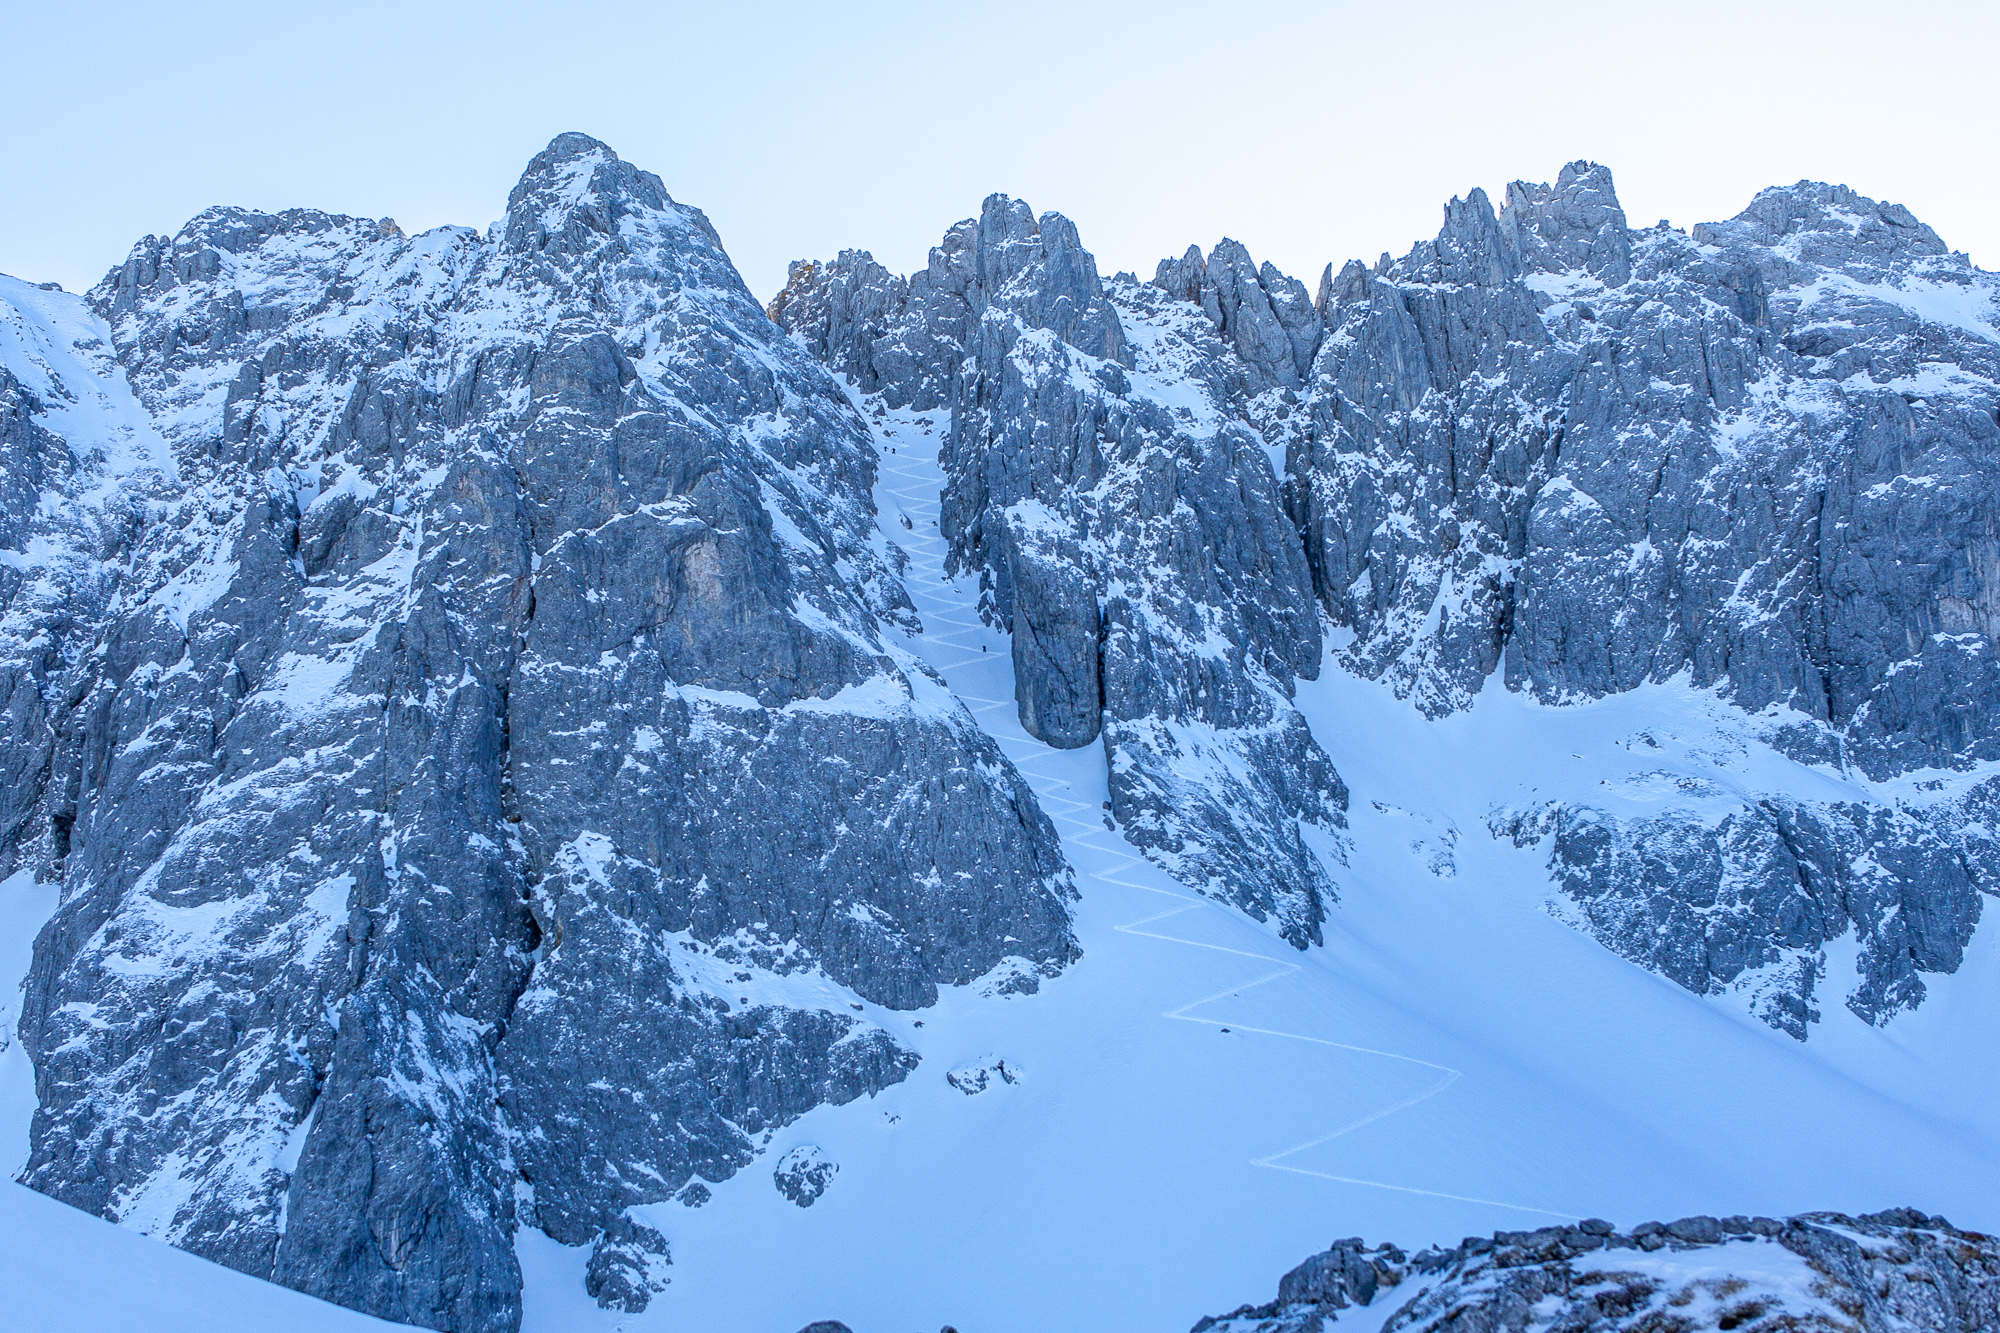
1127, 529
1763, 454
446, 673
478, 697
1762, 458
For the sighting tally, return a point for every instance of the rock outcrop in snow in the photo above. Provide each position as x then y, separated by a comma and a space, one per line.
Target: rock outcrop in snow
468, 756
1897, 1270
1746, 895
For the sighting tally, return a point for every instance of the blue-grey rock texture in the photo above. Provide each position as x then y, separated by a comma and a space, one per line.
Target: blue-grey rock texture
1897, 1270
445, 673
1761, 458
803, 1174
1763, 455
452, 741
1127, 530
1749, 899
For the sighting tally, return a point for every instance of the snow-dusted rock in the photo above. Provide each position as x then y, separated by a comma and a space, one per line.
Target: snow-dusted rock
1125, 527
444, 672
1751, 900
803, 1174
474, 698
1763, 457
1764, 454
976, 1076
1896, 1270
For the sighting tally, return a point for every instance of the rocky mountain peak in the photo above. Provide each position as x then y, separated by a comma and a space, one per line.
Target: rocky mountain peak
1574, 225
573, 194
1265, 316
1037, 271
524, 598
579, 200
1811, 227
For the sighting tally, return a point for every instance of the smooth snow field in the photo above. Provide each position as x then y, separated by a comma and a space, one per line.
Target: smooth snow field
1195, 1106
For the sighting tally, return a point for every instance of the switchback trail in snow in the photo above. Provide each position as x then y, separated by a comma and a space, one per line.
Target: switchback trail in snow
955, 640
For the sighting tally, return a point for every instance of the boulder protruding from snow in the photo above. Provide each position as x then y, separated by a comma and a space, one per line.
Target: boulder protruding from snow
978, 1075
803, 1174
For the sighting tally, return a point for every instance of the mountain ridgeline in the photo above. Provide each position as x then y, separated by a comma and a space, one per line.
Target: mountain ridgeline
1762, 458
458, 680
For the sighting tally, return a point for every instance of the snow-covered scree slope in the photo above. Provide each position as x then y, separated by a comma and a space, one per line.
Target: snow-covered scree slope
1894, 1270
461, 727
1762, 459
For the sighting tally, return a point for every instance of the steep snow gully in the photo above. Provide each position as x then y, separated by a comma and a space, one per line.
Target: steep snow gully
913, 479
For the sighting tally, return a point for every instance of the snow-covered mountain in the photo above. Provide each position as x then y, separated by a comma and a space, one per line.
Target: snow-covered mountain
1084, 785
1763, 459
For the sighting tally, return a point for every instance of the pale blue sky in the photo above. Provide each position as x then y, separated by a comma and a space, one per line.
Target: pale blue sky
1311, 132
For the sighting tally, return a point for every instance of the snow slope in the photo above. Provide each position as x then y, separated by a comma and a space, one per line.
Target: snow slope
65, 1271
61, 351
1196, 1104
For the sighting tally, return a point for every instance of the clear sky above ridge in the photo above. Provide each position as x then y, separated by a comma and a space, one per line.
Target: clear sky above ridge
1310, 132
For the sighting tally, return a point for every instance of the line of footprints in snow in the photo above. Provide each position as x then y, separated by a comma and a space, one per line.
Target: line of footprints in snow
956, 637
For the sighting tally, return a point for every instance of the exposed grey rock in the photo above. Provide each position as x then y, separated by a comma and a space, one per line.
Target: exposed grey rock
1747, 902
627, 1266
803, 1174
976, 1076
1338, 1277
1764, 454
905, 339
453, 687
1895, 1270
1131, 537
1265, 317
490, 696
